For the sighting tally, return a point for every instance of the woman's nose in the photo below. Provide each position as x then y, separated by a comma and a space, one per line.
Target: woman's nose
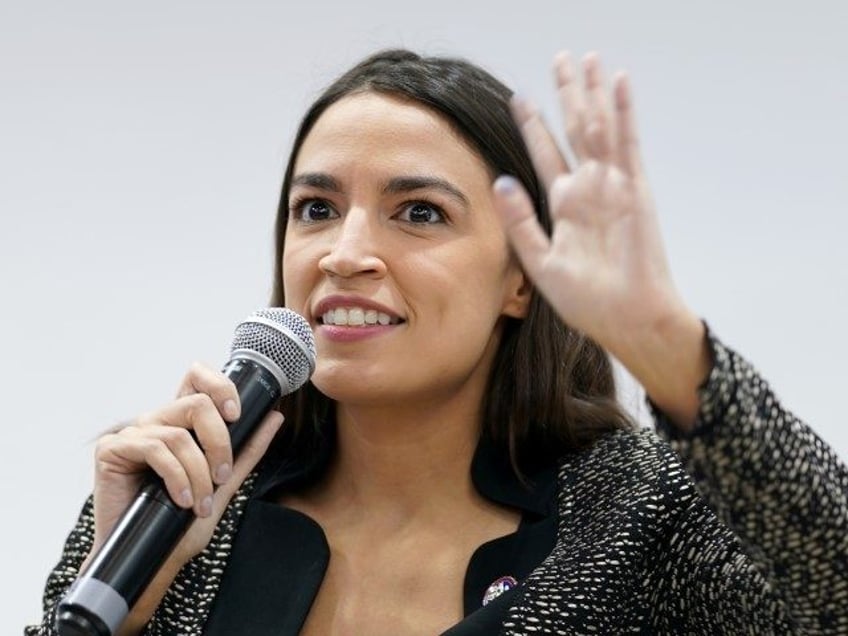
353, 249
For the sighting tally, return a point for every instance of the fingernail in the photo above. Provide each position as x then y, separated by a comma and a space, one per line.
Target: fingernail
279, 418
231, 410
222, 473
506, 184
562, 57
563, 67
186, 498
206, 507
522, 108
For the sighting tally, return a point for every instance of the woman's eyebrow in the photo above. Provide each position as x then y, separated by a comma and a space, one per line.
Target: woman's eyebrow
396, 185
319, 180
407, 184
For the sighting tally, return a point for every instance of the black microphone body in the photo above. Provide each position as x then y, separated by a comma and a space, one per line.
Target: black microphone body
148, 531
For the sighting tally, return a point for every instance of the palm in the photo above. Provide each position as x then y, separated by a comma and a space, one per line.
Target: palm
603, 268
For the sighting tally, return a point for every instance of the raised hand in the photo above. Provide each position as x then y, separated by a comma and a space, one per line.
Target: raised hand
604, 268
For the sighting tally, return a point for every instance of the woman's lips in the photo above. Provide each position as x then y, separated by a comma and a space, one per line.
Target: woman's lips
349, 333
346, 318
357, 317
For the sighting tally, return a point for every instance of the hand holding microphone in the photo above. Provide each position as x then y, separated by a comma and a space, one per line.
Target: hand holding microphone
147, 524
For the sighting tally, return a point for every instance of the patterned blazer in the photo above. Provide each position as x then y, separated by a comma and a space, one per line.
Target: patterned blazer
739, 528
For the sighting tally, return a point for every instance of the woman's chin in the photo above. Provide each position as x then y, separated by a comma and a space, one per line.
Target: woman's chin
347, 386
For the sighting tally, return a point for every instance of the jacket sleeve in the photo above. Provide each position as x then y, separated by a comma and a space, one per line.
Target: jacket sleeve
776, 485
76, 549
186, 604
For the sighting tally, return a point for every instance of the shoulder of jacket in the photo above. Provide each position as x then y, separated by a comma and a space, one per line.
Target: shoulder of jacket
629, 447
627, 465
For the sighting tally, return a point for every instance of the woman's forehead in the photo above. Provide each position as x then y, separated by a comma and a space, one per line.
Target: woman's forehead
374, 128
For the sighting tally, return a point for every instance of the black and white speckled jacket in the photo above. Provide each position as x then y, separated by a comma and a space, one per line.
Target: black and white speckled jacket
740, 528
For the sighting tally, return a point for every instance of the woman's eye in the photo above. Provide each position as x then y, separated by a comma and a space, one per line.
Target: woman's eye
313, 210
422, 213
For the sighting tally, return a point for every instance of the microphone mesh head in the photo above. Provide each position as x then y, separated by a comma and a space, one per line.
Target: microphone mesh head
284, 338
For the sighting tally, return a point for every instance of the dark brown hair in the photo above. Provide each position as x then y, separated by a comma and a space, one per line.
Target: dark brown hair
551, 389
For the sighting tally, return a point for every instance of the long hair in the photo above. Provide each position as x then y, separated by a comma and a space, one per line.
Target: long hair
551, 390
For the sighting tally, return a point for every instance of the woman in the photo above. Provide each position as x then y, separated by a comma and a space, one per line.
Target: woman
458, 462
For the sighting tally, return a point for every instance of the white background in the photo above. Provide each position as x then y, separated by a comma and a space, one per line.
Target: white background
142, 147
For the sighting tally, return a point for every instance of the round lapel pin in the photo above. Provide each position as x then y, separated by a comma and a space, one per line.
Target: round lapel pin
497, 588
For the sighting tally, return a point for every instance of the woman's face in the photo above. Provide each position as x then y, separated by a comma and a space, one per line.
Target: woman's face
394, 254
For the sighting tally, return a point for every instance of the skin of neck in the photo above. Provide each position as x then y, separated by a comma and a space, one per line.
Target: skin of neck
406, 460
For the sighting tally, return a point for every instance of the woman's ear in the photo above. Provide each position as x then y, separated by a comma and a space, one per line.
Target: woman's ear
519, 292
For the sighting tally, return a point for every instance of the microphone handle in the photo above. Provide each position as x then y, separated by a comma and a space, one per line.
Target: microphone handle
148, 531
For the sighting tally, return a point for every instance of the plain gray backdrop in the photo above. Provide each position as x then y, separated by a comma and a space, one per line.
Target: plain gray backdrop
141, 153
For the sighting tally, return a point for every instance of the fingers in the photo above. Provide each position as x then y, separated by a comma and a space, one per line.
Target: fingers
173, 454
628, 153
596, 127
597, 130
202, 379
544, 151
208, 399
527, 237
185, 442
170, 452
248, 458
571, 102
199, 413
585, 107
212, 399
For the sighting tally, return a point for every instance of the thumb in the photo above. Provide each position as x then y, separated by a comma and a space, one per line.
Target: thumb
518, 216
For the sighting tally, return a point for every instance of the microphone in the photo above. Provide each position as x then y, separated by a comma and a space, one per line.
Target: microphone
273, 354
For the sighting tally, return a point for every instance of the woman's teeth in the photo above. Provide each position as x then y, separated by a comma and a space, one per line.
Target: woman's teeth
356, 317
